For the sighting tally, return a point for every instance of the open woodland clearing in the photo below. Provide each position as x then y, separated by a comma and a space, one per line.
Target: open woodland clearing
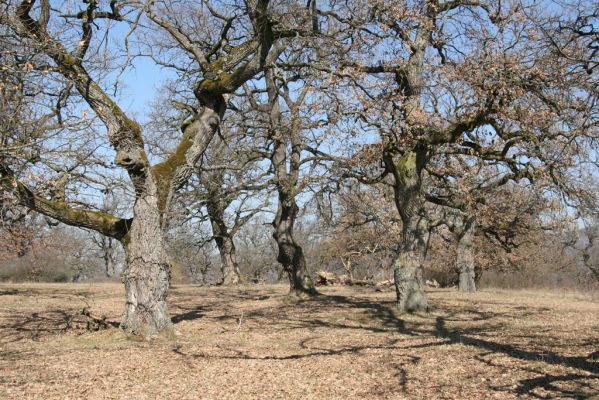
225, 142
253, 342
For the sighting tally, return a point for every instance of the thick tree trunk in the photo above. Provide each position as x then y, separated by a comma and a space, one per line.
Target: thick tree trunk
147, 271
409, 285
291, 256
224, 241
465, 259
108, 256
407, 174
228, 261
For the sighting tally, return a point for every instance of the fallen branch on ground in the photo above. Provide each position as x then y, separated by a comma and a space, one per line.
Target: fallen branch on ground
95, 323
323, 278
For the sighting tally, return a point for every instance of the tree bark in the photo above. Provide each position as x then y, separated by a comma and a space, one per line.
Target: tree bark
224, 242
228, 259
108, 256
147, 270
465, 258
217, 203
291, 255
409, 284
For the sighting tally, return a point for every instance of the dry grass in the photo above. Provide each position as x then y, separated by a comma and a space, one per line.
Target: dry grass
253, 342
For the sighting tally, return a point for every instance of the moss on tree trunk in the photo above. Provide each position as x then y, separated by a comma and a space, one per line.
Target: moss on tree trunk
409, 202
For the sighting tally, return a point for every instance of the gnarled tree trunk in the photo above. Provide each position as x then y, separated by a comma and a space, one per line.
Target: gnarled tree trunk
228, 260
465, 258
291, 255
409, 284
287, 170
147, 270
407, 174
218, 195
224, 242
147, 267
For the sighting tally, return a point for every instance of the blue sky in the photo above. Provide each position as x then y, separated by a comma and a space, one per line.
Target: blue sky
142, 82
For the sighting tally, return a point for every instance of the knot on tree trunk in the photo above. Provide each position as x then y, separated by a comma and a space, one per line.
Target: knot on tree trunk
131, 158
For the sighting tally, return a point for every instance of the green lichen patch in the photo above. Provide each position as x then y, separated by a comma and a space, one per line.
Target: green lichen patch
164, 172
407, 164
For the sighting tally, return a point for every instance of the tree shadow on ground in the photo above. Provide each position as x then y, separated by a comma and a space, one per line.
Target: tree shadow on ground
315, 352
514, 352
9, 292
35, 325
38, 325
189, 314
547, 382
374, 316
383, 317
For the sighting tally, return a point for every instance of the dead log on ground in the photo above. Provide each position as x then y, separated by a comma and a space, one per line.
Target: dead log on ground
323, 278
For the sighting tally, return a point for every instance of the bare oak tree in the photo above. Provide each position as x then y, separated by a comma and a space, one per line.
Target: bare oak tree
224, 61
472, 78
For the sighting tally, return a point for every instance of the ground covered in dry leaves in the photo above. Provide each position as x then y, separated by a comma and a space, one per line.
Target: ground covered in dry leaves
254, 342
